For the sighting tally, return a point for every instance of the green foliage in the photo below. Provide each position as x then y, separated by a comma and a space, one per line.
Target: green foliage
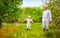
55, 8
9, 8
49, 34
57, 34
9, 11
35, 13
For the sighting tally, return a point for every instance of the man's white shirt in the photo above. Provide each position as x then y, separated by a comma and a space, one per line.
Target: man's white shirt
47, 14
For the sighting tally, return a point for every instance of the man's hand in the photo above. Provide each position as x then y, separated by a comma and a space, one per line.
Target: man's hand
50, 22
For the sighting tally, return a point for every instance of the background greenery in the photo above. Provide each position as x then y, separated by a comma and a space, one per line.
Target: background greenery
10, 12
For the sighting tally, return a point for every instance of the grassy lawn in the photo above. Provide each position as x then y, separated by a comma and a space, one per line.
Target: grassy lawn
18, 30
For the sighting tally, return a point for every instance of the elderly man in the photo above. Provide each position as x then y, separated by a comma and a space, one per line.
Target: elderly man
46, 18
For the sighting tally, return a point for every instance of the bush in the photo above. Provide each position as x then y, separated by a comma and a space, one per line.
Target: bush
49, 34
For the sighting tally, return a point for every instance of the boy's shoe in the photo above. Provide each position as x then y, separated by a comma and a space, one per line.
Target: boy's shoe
44, 30
28, 29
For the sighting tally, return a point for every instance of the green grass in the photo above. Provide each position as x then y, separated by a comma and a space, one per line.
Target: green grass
19, 31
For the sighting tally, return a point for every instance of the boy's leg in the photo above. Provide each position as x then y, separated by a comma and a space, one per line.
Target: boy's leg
28, 26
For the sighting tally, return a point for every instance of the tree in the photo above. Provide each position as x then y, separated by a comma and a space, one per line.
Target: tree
8, 8
54, 5
34, 12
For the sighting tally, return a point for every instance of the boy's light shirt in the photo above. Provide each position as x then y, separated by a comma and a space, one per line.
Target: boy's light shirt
28, 20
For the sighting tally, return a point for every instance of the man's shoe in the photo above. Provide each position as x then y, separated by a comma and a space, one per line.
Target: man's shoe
27, 29
46, 29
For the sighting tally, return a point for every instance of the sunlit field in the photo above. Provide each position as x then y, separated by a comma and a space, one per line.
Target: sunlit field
18, 30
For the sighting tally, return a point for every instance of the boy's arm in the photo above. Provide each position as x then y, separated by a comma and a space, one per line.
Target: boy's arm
32, 21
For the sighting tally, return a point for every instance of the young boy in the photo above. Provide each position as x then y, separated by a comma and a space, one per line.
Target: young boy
29, 20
